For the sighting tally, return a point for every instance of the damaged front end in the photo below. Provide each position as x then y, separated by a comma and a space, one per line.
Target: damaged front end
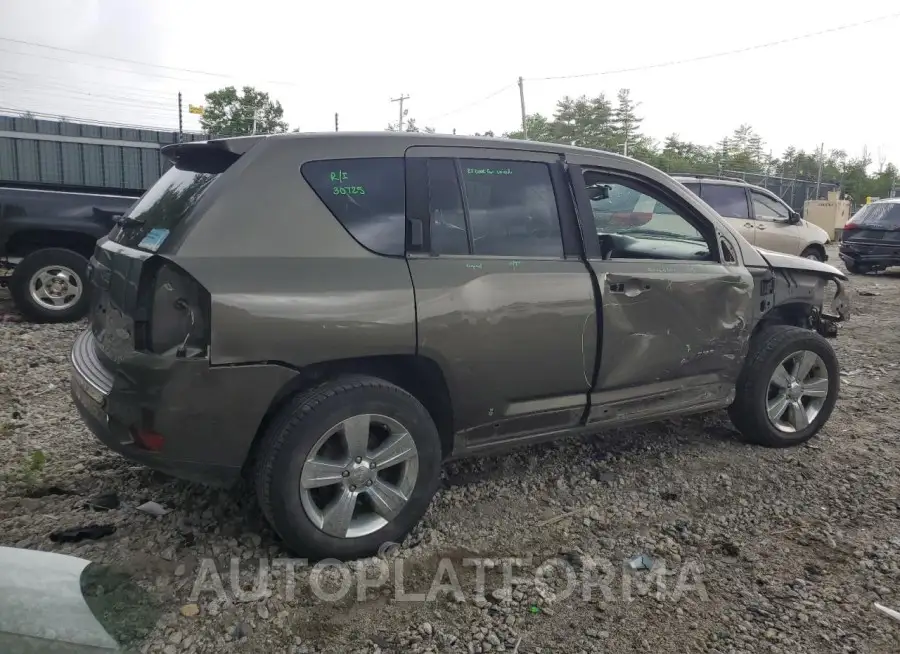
825, 322
795, 293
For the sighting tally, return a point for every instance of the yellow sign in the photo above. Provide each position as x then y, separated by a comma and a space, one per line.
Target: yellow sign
195, 109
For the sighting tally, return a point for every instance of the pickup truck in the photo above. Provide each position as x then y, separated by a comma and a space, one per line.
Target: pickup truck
46, 239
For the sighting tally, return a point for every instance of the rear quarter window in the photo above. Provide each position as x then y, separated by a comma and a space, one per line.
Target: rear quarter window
367, 196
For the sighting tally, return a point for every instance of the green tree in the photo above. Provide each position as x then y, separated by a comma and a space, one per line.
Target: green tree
626, 128
539, 129
229, 112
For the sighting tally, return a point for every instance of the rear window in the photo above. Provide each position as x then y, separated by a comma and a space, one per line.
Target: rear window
162, 208
880, 215
728, 201
367, 196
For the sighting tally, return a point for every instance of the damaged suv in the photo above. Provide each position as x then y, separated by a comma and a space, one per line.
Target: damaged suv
337, 314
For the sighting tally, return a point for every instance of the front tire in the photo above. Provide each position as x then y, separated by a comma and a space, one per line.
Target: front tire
787, 388
50, 286
814, 253
347, 467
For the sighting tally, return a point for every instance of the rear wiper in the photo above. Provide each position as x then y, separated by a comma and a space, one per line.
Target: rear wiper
127, 221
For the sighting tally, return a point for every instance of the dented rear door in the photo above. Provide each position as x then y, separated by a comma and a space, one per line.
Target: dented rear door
675, 317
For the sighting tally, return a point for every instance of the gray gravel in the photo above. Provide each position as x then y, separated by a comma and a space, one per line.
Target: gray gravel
787, 550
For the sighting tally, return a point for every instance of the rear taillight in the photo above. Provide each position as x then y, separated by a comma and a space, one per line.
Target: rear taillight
178, 322
149, 440
849, 226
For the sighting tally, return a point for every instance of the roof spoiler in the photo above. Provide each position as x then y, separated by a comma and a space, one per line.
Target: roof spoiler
209, 156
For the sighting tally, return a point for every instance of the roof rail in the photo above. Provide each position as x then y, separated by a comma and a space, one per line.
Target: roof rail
710, 176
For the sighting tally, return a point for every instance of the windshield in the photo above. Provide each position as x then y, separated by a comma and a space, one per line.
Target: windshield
162, 209
879, 215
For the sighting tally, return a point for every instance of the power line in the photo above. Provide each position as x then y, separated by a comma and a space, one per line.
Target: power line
69, 92
41, 97
471, 104
17, 113
135, 62
715, 55
133, 91
93, 65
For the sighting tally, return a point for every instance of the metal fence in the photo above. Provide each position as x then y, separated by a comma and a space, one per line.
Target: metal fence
80, 155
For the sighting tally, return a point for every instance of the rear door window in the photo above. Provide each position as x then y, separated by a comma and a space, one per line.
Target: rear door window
728, 201
162, 209
879, 215
367, 196
512, 208
693, 187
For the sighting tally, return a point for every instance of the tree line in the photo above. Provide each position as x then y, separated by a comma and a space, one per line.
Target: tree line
614, 125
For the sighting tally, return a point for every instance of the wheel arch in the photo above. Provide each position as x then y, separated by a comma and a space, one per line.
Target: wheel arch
420, 376
27, 241
792, 313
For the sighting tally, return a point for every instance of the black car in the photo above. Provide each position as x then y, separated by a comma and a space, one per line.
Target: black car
871, 238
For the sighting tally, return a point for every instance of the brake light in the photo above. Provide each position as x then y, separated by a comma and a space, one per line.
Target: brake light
850, 226
179, 314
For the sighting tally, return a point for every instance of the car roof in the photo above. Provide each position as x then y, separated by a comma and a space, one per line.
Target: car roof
721, 181
886, 201
241, 144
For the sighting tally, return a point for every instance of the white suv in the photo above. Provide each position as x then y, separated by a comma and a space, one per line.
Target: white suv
760, 216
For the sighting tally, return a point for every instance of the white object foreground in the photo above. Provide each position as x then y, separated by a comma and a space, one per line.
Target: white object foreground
891, 612
42, 608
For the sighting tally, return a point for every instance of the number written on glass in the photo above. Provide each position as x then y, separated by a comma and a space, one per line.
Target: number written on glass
338, 177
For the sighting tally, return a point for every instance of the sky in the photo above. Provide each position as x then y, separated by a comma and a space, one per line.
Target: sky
459, 62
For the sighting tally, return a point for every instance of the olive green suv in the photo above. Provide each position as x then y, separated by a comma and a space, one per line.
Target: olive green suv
338, 314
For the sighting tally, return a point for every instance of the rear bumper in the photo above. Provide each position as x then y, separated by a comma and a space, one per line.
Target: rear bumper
880, 255
208, 416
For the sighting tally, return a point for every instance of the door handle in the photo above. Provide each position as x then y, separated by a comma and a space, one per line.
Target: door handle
748, 225
760, 227
631, 288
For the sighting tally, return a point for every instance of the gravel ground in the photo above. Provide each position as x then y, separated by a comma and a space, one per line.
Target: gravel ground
752, 550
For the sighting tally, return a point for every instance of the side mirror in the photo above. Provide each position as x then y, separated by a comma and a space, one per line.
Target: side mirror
793, 217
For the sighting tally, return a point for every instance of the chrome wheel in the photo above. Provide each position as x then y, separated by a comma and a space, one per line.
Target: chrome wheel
359, 475
797, 391
55, 287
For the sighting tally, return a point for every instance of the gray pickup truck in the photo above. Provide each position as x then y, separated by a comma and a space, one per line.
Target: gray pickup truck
337, 314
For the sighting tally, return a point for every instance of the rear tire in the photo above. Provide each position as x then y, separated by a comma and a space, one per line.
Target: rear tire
294, 456
51, 286
774, 354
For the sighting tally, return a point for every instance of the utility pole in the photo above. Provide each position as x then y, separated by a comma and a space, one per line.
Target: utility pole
400, 100
180, 121
522, 102
335, 121
821, 162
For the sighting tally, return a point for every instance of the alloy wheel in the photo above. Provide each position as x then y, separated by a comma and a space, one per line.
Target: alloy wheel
359, 475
